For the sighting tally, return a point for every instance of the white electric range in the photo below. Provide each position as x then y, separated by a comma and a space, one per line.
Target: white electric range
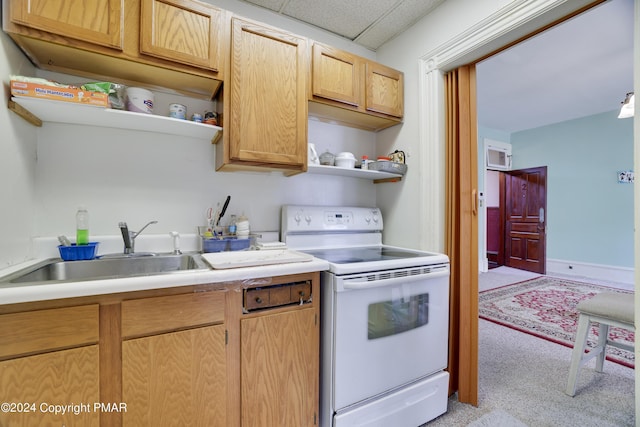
385, 317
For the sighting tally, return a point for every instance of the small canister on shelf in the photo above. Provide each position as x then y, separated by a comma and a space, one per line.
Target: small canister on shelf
178, 111
364, 164
196, 117
210, 118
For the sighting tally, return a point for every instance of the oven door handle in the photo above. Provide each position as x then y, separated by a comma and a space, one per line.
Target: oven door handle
362, 283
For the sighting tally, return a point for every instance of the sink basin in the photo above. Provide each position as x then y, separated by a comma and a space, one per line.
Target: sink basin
54, 270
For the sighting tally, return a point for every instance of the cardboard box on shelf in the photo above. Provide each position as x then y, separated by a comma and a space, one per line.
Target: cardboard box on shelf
68, 94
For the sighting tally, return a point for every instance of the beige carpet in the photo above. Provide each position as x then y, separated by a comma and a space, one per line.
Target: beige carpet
546, 307
522, 379
525, 377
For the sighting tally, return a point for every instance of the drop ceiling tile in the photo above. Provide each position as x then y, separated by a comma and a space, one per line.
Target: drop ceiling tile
407, 13
275, 5
346, 18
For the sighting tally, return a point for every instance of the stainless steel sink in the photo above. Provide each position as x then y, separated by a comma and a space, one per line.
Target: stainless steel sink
56, 270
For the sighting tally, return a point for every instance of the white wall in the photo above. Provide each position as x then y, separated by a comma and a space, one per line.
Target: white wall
402, 203
492, 189
190, 185
17, 165
138, 176
456, 33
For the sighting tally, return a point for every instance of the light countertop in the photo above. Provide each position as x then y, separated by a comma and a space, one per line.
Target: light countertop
18, 293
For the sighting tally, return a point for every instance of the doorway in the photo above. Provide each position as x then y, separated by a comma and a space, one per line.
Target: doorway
516, 219
461, 50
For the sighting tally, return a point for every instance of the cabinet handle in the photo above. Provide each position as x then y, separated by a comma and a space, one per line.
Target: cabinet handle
301, 293
259, 300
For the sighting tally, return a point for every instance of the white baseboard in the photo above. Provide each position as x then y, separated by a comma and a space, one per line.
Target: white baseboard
608, 273
484, 265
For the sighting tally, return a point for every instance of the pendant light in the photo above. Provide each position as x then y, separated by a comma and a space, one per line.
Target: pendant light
628, 106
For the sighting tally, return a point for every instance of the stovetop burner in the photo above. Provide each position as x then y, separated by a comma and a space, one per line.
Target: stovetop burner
367, 254
349, 238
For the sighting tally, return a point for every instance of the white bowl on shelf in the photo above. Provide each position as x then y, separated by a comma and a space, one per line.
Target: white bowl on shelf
345, 159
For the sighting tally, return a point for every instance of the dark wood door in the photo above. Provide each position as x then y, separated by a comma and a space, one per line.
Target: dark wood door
525, 219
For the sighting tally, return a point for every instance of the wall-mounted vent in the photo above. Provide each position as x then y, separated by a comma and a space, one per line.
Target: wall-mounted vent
498, 155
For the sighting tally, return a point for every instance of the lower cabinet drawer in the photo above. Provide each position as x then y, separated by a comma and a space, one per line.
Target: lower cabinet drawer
277, 295
301, 292
280, 295
256, 298
46, 330
149, 316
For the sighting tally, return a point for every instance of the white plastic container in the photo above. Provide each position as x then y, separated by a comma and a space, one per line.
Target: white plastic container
178, 111
139, 100
345, 160
242, 227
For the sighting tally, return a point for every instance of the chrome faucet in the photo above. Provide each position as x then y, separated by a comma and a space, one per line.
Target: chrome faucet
129, 237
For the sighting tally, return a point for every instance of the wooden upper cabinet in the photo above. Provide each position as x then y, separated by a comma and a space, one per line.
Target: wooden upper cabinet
97, 21
267, 99
353, 90
174, 44
384, 92
336, 75
181, 31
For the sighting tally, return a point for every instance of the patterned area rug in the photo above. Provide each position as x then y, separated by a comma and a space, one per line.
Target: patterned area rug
546, 307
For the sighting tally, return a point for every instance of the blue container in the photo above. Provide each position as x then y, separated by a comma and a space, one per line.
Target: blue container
214, 245
78, 253
239, 244
226, 244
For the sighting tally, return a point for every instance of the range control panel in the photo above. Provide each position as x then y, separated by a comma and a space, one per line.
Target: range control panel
326, 218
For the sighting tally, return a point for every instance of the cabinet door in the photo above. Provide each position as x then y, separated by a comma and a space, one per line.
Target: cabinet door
181, 31
335, 75
177, 378
96, 21
32, 385
384, 90
280, 369
268, 97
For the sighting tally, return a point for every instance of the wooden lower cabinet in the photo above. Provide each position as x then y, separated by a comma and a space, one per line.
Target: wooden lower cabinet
174, 360
176, 379
279, 369
50, 367
190, 356
39, 388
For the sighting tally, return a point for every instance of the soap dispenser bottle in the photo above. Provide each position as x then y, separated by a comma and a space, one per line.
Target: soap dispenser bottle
82, 226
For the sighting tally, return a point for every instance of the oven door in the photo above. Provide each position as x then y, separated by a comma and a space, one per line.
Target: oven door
390, 329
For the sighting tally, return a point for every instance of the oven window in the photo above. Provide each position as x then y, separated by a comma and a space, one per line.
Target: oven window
397, 316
